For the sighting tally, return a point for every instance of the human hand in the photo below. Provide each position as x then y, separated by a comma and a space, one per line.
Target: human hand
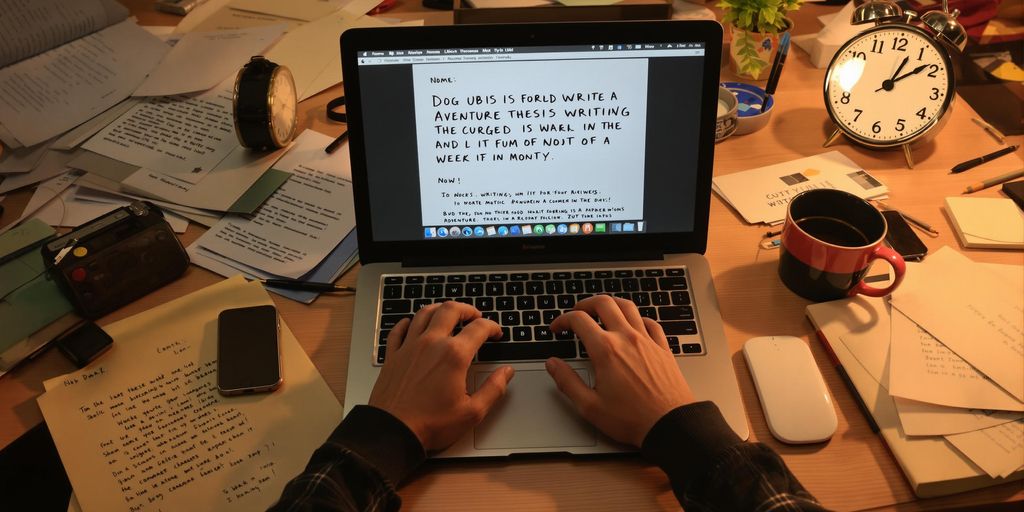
423, 381
636, 379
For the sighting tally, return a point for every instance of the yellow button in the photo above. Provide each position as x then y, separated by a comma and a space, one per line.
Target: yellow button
80, 252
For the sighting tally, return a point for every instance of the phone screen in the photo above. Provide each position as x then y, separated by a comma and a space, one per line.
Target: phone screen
247, 351
902, 238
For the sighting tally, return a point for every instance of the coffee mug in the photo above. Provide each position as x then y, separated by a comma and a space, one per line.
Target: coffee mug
828, 242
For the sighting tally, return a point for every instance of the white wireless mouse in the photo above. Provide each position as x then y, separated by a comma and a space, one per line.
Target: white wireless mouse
796, 403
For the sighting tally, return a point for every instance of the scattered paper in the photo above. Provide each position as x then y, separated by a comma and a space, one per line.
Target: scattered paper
227, 18
75, 137
55, 91
301, 222
186, 136
925, 370
31, 27
144, 428
51, 164
209, 57
763, 194
306, 10
22, 160
975, 312
66, 210
921, 419
999, 450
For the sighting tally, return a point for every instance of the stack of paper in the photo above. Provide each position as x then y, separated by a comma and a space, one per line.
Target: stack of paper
763, 194
946, 357
304, 231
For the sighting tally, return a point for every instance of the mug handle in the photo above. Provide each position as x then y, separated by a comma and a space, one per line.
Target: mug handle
899, 267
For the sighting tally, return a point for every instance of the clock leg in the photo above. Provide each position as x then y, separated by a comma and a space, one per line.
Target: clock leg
831, 138
908, 156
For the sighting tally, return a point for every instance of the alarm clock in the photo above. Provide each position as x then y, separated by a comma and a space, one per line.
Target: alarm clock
893, 84
264, 105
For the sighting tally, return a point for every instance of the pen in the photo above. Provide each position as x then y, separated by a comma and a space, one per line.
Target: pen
974, 162
990, 129
773, 75
994, 181
913, 220
306, 286
337, 142
845, 377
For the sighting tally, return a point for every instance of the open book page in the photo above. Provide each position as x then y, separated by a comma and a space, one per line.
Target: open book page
31, 27
144, 427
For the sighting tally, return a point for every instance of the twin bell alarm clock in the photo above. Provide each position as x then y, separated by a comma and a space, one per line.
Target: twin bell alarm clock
893, 84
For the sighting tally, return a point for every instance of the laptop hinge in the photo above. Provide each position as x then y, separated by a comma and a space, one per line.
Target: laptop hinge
450, 260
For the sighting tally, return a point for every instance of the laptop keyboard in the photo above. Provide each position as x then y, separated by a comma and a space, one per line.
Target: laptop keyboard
525, 303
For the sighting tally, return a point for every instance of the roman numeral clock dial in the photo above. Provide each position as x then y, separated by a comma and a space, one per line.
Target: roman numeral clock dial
890, 85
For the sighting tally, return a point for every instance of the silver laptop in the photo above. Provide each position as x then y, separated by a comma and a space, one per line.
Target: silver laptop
522, 168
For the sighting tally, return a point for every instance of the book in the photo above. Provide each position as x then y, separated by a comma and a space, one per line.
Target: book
986, 222
932, 466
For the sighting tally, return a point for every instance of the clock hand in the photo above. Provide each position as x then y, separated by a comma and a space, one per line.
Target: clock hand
888, 84
912, 73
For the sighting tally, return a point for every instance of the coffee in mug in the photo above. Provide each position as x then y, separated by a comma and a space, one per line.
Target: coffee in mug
829, 240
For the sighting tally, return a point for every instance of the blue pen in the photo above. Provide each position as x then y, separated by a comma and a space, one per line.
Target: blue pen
773, 76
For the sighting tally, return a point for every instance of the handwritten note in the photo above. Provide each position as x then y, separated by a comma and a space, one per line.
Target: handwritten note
922, 419
997, 450
977, 313
923, 369
146, 429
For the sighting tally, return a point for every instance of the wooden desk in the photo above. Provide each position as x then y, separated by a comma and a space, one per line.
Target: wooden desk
854, 471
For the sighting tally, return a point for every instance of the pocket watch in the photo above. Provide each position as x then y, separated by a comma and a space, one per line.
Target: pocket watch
893, 84
264, 105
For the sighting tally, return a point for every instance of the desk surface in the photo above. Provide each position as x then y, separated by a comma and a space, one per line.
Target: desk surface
854, 471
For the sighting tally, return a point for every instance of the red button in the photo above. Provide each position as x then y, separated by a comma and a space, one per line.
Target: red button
78, 275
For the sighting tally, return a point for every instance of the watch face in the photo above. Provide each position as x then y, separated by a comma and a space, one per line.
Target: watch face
889, 85
282, 101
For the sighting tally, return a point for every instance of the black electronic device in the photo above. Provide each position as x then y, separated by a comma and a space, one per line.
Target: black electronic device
902, 238
84, 343
248, 359
116, 258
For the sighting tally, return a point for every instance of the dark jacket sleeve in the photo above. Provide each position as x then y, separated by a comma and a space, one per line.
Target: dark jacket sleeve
358, 467
710, 468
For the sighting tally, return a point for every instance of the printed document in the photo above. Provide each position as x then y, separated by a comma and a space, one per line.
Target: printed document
31, 27
301, 222
998, 450
55, 91
921, 419
975, 312
144, 428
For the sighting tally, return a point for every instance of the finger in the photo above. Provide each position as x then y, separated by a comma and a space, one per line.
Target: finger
586, 329
631, 313
421, 320
656, 332
446, 317
572, 386
396, 337
476, 333
490, 392
606, 309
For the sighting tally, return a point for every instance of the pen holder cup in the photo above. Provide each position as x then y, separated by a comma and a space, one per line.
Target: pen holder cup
750, 117
725, 124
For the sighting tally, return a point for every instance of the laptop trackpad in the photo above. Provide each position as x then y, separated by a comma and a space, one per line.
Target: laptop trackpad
533, 414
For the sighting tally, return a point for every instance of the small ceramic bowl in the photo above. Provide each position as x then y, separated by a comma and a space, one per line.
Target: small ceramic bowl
750, 117
727, 108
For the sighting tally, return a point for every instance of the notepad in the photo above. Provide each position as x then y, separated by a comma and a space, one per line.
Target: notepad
987, 222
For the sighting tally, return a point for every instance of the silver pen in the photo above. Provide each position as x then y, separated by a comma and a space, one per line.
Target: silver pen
990, 129
924, 226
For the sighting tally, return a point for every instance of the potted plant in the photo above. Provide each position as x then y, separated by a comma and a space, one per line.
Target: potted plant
755, 26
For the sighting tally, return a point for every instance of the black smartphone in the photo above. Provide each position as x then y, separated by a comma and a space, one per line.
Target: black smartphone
248, 359
901, 237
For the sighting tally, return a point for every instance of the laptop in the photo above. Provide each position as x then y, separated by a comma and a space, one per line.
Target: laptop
522, 168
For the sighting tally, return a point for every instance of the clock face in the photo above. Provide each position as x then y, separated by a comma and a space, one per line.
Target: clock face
889, 85
282, 100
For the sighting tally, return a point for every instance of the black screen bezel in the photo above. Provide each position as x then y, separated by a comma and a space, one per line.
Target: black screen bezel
520, 249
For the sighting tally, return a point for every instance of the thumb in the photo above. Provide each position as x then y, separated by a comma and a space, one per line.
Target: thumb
571, 385
491, 391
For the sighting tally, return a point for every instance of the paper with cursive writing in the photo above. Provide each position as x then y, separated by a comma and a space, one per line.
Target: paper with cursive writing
144, 428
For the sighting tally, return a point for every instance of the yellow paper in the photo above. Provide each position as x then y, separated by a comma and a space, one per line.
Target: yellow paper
144, 428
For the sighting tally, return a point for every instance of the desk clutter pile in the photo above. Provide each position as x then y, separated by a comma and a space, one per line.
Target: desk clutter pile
97, 111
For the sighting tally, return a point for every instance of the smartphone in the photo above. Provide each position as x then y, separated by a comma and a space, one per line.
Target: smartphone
901, 237
248, 359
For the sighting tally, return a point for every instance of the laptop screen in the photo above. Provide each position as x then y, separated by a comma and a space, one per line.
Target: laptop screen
531, 141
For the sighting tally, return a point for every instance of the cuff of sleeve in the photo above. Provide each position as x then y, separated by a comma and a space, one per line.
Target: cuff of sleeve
685, 441
382, 440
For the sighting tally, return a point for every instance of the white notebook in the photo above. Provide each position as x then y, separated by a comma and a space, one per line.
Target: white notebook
986, 222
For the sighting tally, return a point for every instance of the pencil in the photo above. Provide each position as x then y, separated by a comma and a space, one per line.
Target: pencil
981, 185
